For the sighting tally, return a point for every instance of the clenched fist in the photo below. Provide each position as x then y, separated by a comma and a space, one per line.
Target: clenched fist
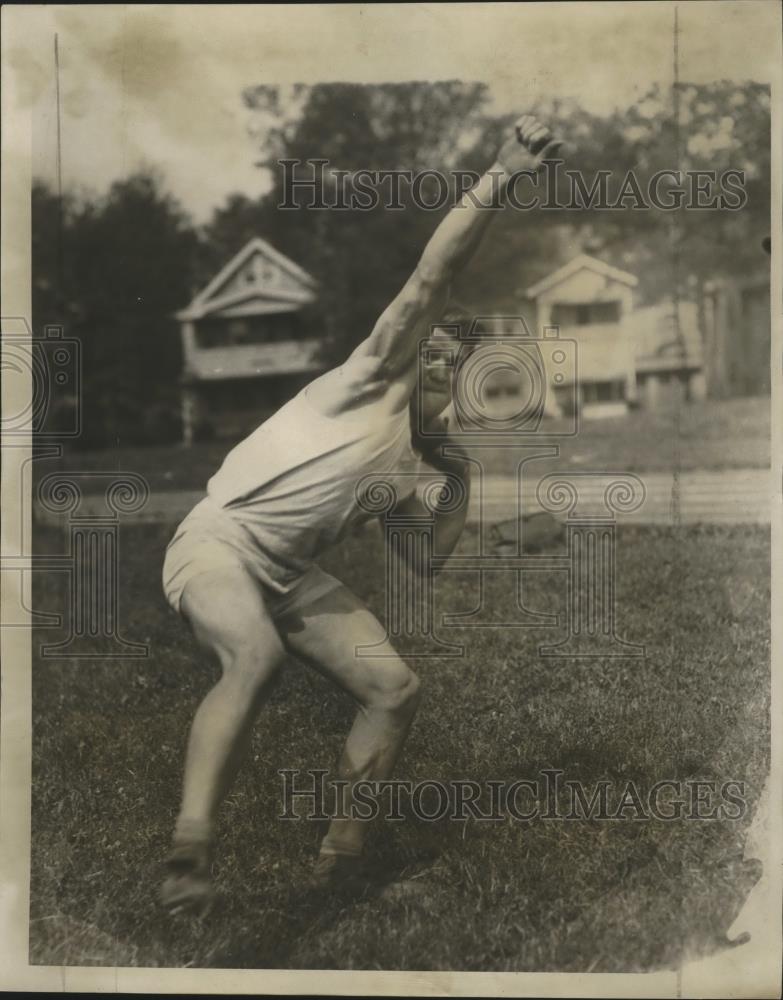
530, 145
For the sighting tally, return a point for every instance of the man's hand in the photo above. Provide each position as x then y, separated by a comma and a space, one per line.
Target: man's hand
528, 147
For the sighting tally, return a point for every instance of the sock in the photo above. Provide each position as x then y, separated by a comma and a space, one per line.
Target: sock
188, 831
330, 848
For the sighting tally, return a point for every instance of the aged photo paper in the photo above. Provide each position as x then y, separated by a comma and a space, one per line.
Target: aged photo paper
391, 499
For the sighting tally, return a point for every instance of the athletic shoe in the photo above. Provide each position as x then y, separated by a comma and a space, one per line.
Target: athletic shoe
188, 886
339, 873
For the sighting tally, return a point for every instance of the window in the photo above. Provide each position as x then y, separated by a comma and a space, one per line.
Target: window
585, 313
210, 334
249, 330
603, 392
502, 383
237, 331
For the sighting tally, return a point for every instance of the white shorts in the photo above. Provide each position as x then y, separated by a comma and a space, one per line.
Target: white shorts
209, 539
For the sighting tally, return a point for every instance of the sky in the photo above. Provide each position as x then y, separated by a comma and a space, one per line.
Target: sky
160, 85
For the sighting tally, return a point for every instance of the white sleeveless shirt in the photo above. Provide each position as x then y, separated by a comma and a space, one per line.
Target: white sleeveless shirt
292, 484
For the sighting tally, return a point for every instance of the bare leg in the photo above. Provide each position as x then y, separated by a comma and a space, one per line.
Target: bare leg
227, 614
325, 635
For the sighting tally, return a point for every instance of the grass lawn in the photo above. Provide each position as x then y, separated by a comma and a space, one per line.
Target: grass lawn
727, 434
108, 741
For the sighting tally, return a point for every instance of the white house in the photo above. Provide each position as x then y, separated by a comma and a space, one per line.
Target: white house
591, 302
245, 348
624, 355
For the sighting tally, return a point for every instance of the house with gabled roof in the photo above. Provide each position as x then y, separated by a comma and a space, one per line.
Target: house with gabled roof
590, 302
625, 355
246, 348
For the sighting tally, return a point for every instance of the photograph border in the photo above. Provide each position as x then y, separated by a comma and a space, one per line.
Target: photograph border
22, 26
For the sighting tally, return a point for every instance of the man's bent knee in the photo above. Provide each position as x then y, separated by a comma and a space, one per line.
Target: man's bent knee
411, 693
252, 665
395, 689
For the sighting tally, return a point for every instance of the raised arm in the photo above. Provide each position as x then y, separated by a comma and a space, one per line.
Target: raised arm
395, 336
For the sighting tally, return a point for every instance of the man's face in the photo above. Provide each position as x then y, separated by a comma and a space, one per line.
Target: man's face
436, 376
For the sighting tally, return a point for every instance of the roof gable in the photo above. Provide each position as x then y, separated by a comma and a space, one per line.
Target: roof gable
584, 262
257, 271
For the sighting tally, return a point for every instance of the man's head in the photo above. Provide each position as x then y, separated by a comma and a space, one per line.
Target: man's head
437, 365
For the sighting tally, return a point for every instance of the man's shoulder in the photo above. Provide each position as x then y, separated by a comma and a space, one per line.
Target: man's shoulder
361, 379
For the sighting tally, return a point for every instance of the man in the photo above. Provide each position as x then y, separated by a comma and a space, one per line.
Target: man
240, 568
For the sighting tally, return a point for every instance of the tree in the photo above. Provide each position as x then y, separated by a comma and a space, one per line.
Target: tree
114, 270
363, 257
127, 268
360, 258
